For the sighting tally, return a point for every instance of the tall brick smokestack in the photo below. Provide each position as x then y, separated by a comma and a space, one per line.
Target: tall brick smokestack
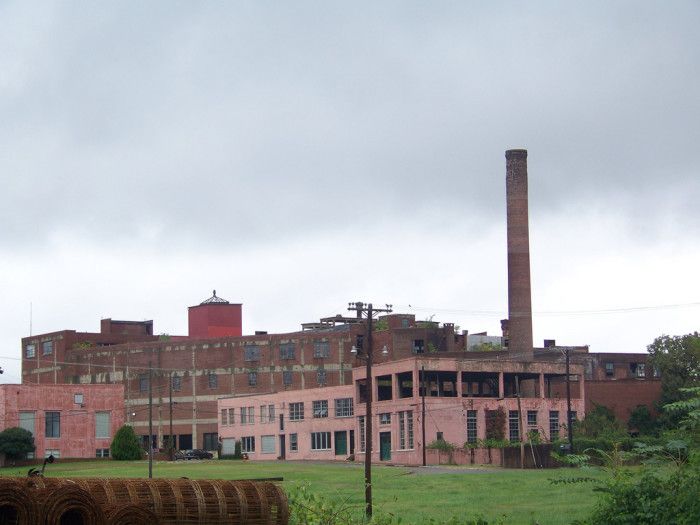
519, 300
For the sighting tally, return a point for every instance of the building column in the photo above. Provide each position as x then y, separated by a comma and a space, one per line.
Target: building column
459, 383
542, 396
501, 387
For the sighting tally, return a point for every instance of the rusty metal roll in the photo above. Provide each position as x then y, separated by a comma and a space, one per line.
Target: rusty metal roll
130, 514
17, 505
68, 503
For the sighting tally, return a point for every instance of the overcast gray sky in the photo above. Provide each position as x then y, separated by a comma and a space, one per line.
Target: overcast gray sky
299, 155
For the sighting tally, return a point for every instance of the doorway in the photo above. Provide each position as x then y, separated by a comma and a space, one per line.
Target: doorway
283, 448
384, 446
341, 443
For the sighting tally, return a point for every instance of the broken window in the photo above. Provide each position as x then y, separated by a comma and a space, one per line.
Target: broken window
405, 380
362, 390
513, 426
384, 389
471, 426
479, 384
418, 346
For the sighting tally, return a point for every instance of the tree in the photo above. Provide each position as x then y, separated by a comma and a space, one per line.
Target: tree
125, 445
16, 442
599, 423
677, 359
642, 421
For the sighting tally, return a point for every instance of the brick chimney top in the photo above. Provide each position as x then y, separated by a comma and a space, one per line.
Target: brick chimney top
515, 153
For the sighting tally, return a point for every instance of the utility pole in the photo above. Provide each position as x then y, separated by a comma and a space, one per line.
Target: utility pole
422, 396
171, 444
150, 420
569, 426
520, 422
359, 307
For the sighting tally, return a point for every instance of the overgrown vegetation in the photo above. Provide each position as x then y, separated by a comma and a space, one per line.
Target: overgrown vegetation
125, 445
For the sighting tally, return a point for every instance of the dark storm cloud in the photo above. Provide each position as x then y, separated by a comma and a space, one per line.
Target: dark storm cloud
250, 121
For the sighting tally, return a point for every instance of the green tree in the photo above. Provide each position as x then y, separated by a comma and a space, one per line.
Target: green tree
642, 421
16, 442
125, 445
599, 423
677, 359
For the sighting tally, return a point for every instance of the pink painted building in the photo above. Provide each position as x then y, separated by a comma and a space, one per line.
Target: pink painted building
68, 421
459, 393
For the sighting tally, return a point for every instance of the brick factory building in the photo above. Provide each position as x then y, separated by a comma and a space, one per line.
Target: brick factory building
68, 421
214, 360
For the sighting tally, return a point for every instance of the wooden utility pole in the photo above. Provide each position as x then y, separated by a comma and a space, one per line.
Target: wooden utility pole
569, 426
150, 420
421, 386
359, 307
520, 422
171, 445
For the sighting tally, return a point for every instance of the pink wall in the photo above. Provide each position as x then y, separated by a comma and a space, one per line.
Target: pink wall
77, 437
397, 420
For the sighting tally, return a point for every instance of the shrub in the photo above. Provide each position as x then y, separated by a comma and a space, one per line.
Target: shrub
125, 445
496, 424
16, 442
650, 499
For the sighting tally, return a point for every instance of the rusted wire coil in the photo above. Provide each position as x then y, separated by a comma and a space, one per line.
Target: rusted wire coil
130, 514
16, 506
183, 501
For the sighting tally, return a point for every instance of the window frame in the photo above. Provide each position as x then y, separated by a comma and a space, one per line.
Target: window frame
55, 421
296, 411
321, 441
344, 407
319, 408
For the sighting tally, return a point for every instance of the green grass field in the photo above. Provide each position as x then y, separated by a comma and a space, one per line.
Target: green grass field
524, 497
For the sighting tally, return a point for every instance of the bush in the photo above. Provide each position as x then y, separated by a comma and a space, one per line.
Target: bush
651, 499
16, 442
125, 445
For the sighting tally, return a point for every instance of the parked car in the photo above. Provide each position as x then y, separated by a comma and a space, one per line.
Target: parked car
193, 454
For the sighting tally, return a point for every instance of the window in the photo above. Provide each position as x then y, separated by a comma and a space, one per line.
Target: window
78, 399
247, 415
385, 418
47, 347
143, 382
406, 430
321, 376
263, 413
553, 425
211, 441
30, 350
53, 425
287, 377
231, 416
252, 378
177, 383
609, 369
513, 426
26, 421
293, 443
418, 346
102, 453
361, 424
251, 353
322, 349
573, 416
320, 408
270, 413
224, 417
287, 351
296, 411
532, 418
52, 452
471, 426
248, 444
320, 441
404, 323
638, 369
267, 444
102, 426
344, 407
213, 380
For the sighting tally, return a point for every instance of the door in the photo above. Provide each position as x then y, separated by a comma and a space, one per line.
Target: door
352, 442
341, 443
185, 441
283, 448
385, 446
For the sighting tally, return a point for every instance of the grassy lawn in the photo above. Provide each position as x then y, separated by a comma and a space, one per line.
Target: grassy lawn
522, 496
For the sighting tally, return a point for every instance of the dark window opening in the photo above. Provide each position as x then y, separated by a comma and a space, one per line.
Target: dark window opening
405, 380
439, 384
384, 388
418, 346
362, 390
476, 384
